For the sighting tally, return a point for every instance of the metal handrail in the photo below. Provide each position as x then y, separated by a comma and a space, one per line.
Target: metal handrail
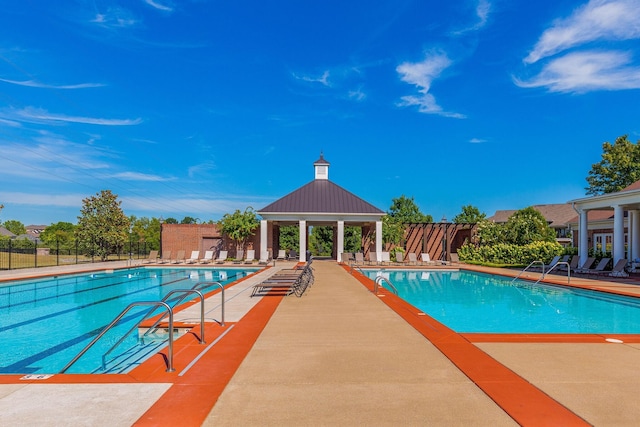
117, 319
356, 268
554, 266
199, 285
377, 285
527, 267
178, 301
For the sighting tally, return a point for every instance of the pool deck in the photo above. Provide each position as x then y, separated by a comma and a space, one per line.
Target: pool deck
342, 355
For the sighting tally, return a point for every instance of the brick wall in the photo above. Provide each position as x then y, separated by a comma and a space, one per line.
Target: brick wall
201, 237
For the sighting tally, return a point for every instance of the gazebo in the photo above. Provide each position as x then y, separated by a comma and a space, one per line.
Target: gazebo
319, 203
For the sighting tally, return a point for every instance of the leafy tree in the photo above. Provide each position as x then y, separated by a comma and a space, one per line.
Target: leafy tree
59, 234
15, 226
352, 239
102, 226
146, 232
619, 167
527, 226
289, 237
321, 240
239, 226
189, 220
469, 215
489, 233
171, 220
392, 230
405, 211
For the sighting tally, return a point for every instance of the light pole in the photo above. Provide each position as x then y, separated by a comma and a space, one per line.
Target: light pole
444, 239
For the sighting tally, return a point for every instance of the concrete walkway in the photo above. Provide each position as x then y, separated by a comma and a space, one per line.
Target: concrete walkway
339, 356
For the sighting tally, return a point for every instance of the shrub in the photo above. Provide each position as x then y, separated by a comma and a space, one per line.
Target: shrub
503, 253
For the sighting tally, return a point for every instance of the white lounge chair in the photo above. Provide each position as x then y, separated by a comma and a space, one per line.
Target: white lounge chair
166, 257
222, 257
179, 259
251, 256
399, 257
153, 257
195, 256
413, 259
208, 257
265, 258
359, 258
282, 255
385, 257
239, 257
425, 258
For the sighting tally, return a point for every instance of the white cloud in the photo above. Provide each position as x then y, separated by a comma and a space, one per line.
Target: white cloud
597, 20
477, 140
39, 115
45, 199
483, 8
115, 17
137, 176
159, 6
587, 71
32, 83
324, 79
357, 95
422, 74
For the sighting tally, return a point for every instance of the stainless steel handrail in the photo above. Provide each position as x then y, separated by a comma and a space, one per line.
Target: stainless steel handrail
377, 285
199, 285
117, 319
554, 266
527, 267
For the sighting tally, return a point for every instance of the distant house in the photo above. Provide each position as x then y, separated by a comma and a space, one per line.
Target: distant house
6, 233
558, 217
35, 230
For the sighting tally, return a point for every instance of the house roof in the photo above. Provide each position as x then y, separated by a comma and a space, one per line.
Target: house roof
557, 215
321, 196
5, 232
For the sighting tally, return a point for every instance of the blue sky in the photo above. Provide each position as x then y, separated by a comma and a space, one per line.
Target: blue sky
197, 108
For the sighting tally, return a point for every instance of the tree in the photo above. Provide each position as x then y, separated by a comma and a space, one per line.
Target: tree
619, 167
469, 215
352, 239
289, 237
59, 234
392, 230
526, 226
405, 211
102, 226
321, 240
239, 226
15, 226
189, 220
171, 220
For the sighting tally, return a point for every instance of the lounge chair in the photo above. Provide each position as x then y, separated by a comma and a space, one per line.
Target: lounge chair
166, 257
359, 258
293, 255
413, 259
373, 258
153, 257
239, 257
282, 255
265, 258
194, 258
222, 257
586, 266
618, 269
385, 257
553, 262
346, 257
454, 258
179, 259
251, 256
425, 259
399, 257
599, 269
208, 257
573, 264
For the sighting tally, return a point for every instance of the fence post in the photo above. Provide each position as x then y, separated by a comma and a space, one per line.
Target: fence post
57, 251
76, 251
10, 254
35, 254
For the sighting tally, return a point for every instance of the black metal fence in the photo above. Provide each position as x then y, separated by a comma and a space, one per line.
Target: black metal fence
25, 253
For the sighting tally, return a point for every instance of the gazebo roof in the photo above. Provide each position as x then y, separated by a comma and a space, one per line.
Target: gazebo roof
321, 196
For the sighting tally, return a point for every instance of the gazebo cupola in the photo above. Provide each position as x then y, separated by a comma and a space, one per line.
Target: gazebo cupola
321, 167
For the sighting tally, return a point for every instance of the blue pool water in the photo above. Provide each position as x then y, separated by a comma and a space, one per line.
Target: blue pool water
475, 302
45, 323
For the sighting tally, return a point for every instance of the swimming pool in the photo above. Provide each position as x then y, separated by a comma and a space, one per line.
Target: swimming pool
44, 323
470, 302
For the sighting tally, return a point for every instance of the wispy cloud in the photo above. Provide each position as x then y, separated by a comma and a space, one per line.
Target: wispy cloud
587, 71
597, 20
323, 79
46, 199
422, 74
159, 6
357, 95
200, 169
483, 8
137, 176
38, 115
115, 17
33, 83
477, 140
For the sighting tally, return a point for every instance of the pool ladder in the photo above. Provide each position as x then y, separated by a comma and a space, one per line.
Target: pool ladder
377, 285
196, 289
544, 273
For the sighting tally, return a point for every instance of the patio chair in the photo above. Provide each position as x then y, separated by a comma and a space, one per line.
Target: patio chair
599, 268
373, 258
251, 256
194, 258
239, 257
385, 257
618, 269
208, 257
265, 258
153, 257
399, 257
454, 258
425, 258
553, 262
413, 259
587, 265
179, 257
346, 257
359, 258
222, 257
166, 257
573, 263
282, 255
293, 255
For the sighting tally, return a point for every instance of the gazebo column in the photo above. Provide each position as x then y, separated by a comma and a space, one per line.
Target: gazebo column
263, 238
618, 233
583, 249
379, 241
303, 240
340, 240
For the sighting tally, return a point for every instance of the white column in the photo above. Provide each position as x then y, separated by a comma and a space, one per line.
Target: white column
583, 235
379, 241
263, 238
303, 240
340, 244
618, 233
634, 237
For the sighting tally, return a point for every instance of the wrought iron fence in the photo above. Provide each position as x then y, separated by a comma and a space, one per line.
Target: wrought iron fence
25, 253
